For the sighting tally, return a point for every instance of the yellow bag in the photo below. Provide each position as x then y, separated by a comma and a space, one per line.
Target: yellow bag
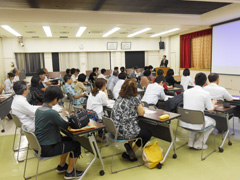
152, 155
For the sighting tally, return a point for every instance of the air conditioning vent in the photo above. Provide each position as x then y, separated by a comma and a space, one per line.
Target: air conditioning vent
35, 36
30, 32
63, 36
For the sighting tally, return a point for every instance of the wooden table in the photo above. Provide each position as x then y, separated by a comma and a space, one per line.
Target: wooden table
160, 129
221, 116
87, 140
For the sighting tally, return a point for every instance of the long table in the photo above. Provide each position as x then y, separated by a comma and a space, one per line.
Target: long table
160, 129
87, 140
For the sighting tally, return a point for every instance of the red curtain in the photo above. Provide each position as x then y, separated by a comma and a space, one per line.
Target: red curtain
186, 46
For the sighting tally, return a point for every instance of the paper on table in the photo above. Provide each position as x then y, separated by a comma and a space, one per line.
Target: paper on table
110, 103
167, 97
147, 111
236, 98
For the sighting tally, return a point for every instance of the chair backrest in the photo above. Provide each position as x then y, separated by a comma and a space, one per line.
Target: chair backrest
139, 86
110, 126
191, 116
110, 94
89, 87
69, 96
16, 121
32, 141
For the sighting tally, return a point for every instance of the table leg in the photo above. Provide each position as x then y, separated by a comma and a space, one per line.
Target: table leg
226, 135
96, 153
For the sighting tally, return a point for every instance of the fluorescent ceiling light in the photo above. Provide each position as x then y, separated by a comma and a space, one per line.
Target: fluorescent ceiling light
111, 32
139, 32
165, 32
48, 31
11, 30
80, 31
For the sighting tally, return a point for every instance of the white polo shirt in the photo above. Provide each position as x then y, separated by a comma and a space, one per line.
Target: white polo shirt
16, 78
217, 92
8, 84
24, 111
117, 88
97, 102
153, 93
44, 81
186, 81
197, 99
102, 76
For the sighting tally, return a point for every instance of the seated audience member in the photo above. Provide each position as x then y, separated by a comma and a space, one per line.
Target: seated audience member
217, 92
122, 69
48, 124
160, 73
9, 83
112, 81
46, 81
154, 92
145, 68
103, 74
68, 71
68, 88
186, 80
74, 76
36, 92
124, 114
78, 71
170, 79
93, 75
115, 70
41, 75
117, 87
21, 108
197, 98
134, 73
145, 80
79, 87
2, 88
98, 97
15, 71
150, 67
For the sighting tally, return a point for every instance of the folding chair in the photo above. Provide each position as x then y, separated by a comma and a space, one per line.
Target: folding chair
194, 117
34, 145
110, 127
18, 126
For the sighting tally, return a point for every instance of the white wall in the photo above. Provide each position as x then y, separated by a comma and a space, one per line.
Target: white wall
151, 46
174, 57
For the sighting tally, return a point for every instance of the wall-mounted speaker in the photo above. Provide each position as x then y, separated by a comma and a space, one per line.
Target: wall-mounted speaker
161, 45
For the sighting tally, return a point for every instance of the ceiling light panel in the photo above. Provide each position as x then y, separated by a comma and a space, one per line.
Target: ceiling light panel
165, 32
111, 32
81, 31
139, 32
47, 31
11, 30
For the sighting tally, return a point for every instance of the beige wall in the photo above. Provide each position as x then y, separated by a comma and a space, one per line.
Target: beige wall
2, 71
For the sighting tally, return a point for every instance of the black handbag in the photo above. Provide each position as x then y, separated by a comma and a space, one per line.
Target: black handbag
79, 119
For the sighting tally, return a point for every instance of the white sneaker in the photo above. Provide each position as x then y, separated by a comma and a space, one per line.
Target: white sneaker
199, 146
190, 144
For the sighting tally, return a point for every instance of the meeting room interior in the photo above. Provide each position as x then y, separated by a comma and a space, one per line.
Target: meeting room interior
119, 89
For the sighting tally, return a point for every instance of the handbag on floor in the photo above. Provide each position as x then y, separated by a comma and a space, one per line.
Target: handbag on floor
152, 155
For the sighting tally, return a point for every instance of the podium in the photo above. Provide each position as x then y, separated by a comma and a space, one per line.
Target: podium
165, 69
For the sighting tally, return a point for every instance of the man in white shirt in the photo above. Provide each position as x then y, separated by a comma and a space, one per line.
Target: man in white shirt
217, 92
103, 74
198, 99
154, 92
21, 108
118, 86
112, 81
16, 73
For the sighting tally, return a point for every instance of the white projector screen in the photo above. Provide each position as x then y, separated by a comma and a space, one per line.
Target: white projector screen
226, 48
